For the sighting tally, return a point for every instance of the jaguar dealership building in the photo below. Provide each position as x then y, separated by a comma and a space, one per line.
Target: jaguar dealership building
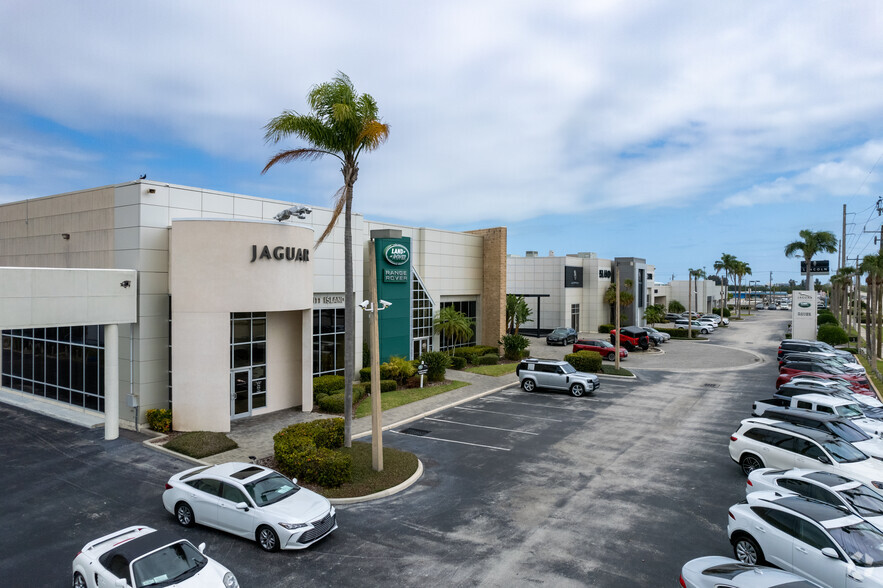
119, 299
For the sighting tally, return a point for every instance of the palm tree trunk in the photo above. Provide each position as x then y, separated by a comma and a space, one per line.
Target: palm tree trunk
349, 337
869, 344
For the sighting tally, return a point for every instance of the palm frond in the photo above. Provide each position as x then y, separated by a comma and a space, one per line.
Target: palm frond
305, 153
339, 202
374, 134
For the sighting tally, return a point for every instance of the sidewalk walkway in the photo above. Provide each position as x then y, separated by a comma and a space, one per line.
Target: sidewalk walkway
254, 435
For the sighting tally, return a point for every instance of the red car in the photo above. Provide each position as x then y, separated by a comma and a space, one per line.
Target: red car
607, 350
858, 383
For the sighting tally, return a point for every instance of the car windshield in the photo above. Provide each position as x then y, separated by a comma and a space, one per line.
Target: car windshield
848, 432
568, 369
867, 502
603, 344
270, 489
843, 452
850, 411
559, 332
170, 565
862, 542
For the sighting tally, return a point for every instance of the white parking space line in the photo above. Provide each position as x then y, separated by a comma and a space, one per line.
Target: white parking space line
452, 441
479, 426
521, 416
571, 408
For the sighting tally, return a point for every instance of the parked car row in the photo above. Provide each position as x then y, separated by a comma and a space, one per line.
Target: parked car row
248, 500
813, 457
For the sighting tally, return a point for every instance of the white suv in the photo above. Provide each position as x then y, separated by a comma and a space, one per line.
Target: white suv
821, 542
765, 443
555, 374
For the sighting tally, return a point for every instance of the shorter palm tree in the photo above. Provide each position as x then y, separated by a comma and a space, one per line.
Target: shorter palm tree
453, 325
813, 242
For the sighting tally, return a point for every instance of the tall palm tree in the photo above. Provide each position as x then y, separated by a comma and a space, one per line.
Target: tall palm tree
872, 266
841, 282
517, 312
813, 242
725, 264
342, 123
741, 269
697, 274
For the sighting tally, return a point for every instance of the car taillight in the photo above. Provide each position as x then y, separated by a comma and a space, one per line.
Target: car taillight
683, 584
733, 438
168, 486
749, 482
732, 516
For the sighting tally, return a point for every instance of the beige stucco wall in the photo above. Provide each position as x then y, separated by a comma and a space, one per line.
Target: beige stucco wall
210, 276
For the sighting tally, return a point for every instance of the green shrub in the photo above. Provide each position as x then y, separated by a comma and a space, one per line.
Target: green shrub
388, 386
605, 328
436, 364
458, 363
307, 451
826, 319
159, 419
584, 361
675, 306
514, 346
334, 402
365, 374
489, 359
478, 350
201, 444
398, 369
326, 384
832, 334
726, 313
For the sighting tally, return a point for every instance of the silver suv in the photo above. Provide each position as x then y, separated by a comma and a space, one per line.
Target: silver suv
555, 374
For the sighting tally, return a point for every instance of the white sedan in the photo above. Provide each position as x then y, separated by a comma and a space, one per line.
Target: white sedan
714, 571
251, 501
140, 556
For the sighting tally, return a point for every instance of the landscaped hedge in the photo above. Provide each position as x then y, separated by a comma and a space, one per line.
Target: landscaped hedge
334, 401
826, 319
682, 333
477, 350
832, 334
605, 328
327, 384
159, 419
489, 359
584, 361
307, 451
458, 363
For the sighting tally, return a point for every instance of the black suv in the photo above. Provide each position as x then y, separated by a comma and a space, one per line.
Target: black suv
561, 336
792, 345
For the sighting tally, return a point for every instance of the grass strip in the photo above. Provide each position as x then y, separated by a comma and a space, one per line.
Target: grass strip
396, 398
398, 466
500, 369
201, 444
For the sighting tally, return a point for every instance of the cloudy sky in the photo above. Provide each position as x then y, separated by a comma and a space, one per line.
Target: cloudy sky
672, 131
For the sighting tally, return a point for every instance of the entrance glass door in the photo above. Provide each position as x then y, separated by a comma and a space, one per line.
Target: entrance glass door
421, 346
240, 393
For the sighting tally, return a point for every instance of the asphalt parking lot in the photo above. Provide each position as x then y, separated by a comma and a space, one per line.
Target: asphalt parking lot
618, 489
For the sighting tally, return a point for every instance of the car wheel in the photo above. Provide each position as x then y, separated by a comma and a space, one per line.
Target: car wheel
528, 385
184, 514
611, 356
79, 581
268, 539
747, 550
704, 331
645, 346
577, 390
749, 463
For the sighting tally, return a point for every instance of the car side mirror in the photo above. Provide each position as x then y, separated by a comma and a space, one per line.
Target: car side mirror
830, 552
242, 506
824, 459
202, 547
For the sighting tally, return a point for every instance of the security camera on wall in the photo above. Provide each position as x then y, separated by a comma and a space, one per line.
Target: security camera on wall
364, 304
384, 304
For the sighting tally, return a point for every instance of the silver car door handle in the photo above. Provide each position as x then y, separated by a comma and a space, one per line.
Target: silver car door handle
761, 529
801, 549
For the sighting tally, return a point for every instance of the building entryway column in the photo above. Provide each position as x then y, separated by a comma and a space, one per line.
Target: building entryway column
111, 382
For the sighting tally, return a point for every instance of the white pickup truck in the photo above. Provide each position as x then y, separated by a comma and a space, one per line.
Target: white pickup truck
823, 403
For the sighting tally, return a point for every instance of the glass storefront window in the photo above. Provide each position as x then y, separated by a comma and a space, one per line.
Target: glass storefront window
468, 308
63, 363
328, 341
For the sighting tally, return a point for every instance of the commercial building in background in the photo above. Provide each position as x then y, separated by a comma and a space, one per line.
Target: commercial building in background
568, 290
227, 313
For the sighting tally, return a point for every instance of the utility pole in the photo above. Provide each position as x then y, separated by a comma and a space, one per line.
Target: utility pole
843, 241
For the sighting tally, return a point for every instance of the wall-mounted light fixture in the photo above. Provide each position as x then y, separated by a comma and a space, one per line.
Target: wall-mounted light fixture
66, 236
125, 283
151, 190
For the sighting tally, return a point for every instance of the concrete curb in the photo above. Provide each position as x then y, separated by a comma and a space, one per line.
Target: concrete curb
150, 443
383, 493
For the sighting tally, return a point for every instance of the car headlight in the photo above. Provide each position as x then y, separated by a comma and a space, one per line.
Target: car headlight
230, 581
877, 484
293, 526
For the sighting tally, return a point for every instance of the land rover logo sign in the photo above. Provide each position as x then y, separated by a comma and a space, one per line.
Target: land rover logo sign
396, 254
804, 305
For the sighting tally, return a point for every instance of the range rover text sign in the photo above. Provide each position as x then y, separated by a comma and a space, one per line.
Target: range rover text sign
396, 254
280, 253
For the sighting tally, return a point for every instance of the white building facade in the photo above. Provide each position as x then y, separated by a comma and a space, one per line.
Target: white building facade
232, 313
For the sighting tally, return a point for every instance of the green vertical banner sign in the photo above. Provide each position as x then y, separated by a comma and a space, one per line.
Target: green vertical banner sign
394, 285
